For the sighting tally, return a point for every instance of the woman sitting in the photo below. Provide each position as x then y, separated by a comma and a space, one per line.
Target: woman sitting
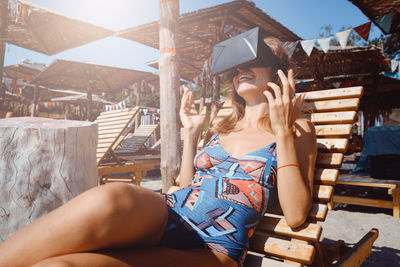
260, 153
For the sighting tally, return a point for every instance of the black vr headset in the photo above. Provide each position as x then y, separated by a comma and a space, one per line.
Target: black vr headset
245, 50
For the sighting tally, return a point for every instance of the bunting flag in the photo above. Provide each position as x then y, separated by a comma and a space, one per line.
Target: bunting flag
343, 37
336, 84
385, 22
290, 47
307, 45
394, 64
325, 43
363, 30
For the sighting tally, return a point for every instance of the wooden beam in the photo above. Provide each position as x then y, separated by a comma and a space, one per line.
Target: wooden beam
3, 35
169, 93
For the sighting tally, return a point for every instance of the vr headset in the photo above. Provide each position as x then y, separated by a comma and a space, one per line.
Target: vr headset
245, 50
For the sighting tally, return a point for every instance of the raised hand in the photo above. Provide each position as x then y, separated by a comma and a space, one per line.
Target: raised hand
190, 118
284, 108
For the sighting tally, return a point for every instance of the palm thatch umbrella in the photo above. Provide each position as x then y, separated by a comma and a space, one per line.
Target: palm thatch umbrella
29, 26
64, 74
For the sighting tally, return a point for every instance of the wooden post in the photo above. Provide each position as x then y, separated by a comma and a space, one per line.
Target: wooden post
3, 35
215, 97
137, 117
169, 93
89, 103
35, 100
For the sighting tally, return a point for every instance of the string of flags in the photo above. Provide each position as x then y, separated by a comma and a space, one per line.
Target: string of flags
122, 104
18, 10
384, 22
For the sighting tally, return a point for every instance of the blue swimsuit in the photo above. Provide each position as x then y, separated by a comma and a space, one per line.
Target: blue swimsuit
224, 202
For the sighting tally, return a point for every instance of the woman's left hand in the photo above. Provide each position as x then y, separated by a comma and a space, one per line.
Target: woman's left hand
284, 108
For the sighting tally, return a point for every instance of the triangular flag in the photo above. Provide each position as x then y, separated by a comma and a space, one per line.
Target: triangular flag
385, 22
290, 47
343, 37
363, 30
336, 84
324, 43
308, 46
394, 64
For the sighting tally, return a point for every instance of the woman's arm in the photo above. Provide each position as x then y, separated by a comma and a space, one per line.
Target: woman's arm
192, 122
295, 184
295, 155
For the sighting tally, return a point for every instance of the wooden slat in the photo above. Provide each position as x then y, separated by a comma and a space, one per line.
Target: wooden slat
102, 150
330, 159
256, 260
360, 251
331, 105
332, 144
105, 140
339, 117
120, 111
318, 212
346, 92
308, 231
333, 130
115, 115
303, 253
122, 117
112, 131
363, 201
120, 126
322, 193
326, 176
115, 122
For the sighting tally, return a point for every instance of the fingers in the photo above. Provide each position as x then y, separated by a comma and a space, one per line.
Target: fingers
269, 97
292, 84
276, 89
285, 85
203, 111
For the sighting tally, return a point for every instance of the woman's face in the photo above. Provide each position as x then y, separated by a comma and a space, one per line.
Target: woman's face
251, 80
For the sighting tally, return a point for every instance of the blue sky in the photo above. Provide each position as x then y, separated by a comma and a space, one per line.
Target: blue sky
303, 17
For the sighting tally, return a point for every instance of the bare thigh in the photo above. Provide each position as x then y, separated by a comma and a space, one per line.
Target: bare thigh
115, 215
143, 257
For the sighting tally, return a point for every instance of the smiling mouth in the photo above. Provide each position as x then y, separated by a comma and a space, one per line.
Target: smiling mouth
245, 77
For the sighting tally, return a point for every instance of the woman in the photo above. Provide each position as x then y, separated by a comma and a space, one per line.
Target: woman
261, 149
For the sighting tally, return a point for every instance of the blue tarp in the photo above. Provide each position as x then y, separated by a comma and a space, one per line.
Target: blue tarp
381, 140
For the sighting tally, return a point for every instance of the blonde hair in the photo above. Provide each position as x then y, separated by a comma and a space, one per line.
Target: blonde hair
227, 124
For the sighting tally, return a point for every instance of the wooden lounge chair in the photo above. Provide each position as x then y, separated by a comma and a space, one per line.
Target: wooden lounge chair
113, 128
274, 243
134, 143
392, 186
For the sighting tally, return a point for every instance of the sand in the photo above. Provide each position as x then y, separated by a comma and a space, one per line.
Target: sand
350, 224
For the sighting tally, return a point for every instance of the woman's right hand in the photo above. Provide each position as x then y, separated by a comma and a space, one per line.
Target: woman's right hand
190, 118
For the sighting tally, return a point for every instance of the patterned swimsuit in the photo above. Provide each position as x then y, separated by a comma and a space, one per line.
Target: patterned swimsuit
224, 202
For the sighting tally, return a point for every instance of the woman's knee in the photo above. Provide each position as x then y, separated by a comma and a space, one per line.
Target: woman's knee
115, 199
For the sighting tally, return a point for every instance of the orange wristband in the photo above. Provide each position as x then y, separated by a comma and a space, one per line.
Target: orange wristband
287, 165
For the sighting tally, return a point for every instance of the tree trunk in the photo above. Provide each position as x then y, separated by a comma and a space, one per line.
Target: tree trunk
43, 164
169, 93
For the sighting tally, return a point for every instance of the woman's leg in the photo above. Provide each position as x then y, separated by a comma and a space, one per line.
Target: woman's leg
108, 216
143, 257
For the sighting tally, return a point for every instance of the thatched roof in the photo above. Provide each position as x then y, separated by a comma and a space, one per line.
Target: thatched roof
23, 71
198, 31
48, 32
63, 74
338, 61
374, 9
